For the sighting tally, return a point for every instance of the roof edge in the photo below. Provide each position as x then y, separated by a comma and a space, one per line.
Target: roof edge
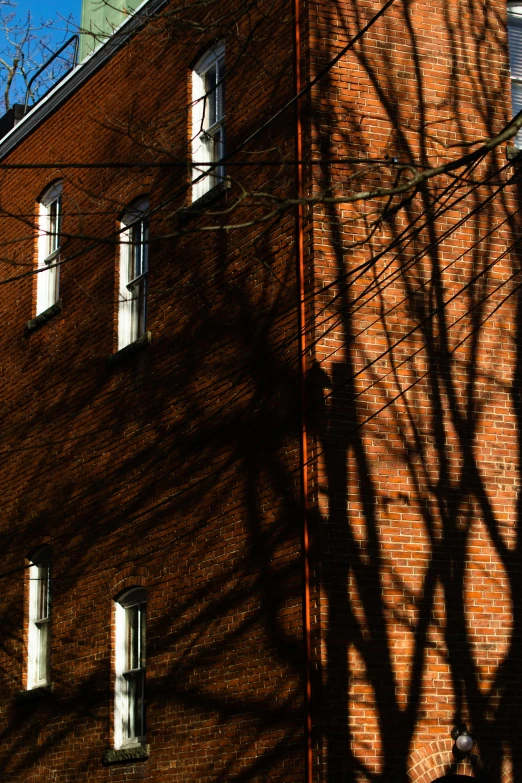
69, 85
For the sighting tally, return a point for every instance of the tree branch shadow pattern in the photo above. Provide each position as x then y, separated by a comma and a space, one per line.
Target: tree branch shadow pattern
417, 443
185, 460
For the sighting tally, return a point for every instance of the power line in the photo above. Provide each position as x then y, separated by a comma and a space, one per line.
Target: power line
390, 2
377, 283
428, 372
422, 285
319, 76
428, 318
189, 163
171, 496
174, 538
286, 344
445, 331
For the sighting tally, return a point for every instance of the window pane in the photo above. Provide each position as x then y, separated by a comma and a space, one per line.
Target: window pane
211, 96
208, 146
516, 97
218, 144
133, 250
137, 298
144, 226
38, 670
220, 92
133, 635
135, 717
208, 117
132, 315
42, 603
43, 651
515, 44
49, 228
54, 225
143, 628
138, 249
140, 706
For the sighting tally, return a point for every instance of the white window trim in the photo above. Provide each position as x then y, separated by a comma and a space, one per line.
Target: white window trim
132, 312
133, 597
47, 283
37, 645
514, 18
201, 129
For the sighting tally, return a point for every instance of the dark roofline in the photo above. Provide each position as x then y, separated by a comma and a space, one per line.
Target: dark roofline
76, 78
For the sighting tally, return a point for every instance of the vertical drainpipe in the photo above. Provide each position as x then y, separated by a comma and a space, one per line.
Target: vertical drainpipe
303, 435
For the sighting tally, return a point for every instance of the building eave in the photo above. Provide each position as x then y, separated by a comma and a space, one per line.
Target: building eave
76, 78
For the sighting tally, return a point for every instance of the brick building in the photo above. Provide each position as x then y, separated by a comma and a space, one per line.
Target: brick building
220, 563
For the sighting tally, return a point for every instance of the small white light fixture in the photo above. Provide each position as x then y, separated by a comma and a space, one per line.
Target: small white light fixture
463, 740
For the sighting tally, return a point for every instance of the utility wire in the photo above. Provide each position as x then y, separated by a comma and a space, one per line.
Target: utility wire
188, 164
423, 347
415, 291
341, 55
205, 479
360, 300
281, 347
428, 318
425, 374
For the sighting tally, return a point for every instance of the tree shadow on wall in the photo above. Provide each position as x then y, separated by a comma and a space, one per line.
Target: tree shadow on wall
182, 466
420, 430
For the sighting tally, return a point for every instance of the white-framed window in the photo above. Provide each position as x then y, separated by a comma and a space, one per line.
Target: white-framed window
208, 119
134, 267
49, 227
39, 630
514, 20
129, 700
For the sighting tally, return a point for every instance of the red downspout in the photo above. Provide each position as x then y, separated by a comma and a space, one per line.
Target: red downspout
302, 376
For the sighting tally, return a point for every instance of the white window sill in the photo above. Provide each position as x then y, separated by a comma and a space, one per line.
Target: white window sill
201, 204
42, 318
124, 353
126, 755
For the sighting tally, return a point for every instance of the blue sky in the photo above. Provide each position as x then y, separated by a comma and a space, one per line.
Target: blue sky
57, 11
47, 9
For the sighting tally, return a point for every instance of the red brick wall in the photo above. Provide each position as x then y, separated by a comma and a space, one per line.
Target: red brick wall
176, 469
418, 438
179, 470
